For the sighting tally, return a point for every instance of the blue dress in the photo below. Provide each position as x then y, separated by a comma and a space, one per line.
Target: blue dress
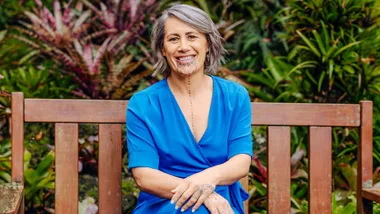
159, 137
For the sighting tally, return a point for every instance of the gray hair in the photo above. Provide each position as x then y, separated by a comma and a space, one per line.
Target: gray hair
199, 20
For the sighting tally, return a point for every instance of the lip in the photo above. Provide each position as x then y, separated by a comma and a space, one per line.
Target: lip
182, 62
177, 57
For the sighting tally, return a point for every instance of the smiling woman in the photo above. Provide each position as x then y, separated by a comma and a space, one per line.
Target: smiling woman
184, 47
187, 134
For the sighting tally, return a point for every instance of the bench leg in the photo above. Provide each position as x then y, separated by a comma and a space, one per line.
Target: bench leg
22, 207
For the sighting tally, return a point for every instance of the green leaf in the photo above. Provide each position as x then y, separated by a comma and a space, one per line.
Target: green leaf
28, 56
30, 176
309, 43
306, 64
331, 68
293, 53
319, 42
311, 77
257, 78
274, 68
325, 34
50, 185
267, 97
349, 69
345, 48
46, 163
2, 34
321, 81
6, 176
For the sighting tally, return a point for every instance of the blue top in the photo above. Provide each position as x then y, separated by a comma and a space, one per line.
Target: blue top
159, 137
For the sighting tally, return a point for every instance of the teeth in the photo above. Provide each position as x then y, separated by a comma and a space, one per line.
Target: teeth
187, 58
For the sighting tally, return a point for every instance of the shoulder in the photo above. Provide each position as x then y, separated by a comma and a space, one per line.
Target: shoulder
145, 97
230, 88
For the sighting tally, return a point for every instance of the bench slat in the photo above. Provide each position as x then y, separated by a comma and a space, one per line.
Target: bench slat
365, 162
17, 126
66, 168
113, 111
278, 170
110, 159
305, 114
320, 170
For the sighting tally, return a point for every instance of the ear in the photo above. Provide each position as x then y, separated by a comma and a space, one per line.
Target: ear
163, 52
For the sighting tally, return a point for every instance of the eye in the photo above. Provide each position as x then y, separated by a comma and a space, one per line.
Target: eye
192, 37
173, 39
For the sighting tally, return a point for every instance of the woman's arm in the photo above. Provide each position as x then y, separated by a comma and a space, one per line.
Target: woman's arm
234, 169
155, 182
160, 184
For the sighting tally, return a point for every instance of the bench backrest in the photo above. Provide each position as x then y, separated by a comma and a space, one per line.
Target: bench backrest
110, 115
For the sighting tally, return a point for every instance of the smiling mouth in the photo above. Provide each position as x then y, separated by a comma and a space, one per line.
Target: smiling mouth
185, 60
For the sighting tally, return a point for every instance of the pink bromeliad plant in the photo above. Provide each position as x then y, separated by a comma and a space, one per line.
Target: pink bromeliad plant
90, 39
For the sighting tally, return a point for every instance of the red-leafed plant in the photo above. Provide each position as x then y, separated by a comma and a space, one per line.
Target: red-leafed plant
91, 40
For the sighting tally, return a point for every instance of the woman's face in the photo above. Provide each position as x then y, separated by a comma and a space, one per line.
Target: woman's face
185, 48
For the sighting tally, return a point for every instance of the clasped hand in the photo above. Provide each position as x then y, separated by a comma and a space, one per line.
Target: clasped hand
196, 189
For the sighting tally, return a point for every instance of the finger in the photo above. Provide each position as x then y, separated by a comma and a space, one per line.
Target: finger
227, 208
185, 196
206, 192
200, 201
222, 210
194, 198
214, 211
178, 192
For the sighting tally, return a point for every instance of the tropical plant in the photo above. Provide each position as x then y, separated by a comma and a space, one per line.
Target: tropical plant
91, 42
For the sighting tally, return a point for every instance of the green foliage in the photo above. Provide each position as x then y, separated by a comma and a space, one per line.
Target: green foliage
341, 207
5, 162
39, 179
90, 41
36, 82
282, 51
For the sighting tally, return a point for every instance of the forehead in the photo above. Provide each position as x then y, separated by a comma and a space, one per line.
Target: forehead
176, 26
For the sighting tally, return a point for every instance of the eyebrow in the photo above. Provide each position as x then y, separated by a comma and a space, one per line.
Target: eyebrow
187, 33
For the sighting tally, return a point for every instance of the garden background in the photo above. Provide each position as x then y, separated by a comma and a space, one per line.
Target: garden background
305, 51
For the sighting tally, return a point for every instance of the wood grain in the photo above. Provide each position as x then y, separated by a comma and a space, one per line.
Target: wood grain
113, 111
75, 111
66, 168
372, 194
17, 129
365, 155
278, 170
320, 170
110, 159
303, 114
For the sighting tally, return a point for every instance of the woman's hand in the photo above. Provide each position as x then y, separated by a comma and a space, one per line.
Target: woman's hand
196, 189
216, 204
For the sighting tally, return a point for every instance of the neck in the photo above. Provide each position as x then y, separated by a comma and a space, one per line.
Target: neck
185, 83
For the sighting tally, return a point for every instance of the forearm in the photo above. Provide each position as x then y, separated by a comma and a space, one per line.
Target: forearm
232, 170
155, 182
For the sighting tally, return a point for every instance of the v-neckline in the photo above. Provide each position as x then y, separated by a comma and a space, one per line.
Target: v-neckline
183, 118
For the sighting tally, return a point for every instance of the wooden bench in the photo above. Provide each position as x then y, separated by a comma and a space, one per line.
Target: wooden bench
110, 115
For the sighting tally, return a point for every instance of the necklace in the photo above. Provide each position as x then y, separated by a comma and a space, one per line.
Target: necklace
191, 108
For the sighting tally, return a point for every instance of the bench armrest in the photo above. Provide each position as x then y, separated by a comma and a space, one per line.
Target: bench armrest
371, 194
11, 196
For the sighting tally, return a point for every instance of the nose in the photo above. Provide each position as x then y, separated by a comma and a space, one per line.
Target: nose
184, 45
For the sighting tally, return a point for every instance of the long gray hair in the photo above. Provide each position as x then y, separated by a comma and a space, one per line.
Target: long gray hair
199, 20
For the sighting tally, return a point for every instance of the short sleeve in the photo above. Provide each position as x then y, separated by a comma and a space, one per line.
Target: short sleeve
240, 137
142, 151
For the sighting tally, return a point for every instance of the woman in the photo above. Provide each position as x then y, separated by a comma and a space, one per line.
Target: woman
189, 135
